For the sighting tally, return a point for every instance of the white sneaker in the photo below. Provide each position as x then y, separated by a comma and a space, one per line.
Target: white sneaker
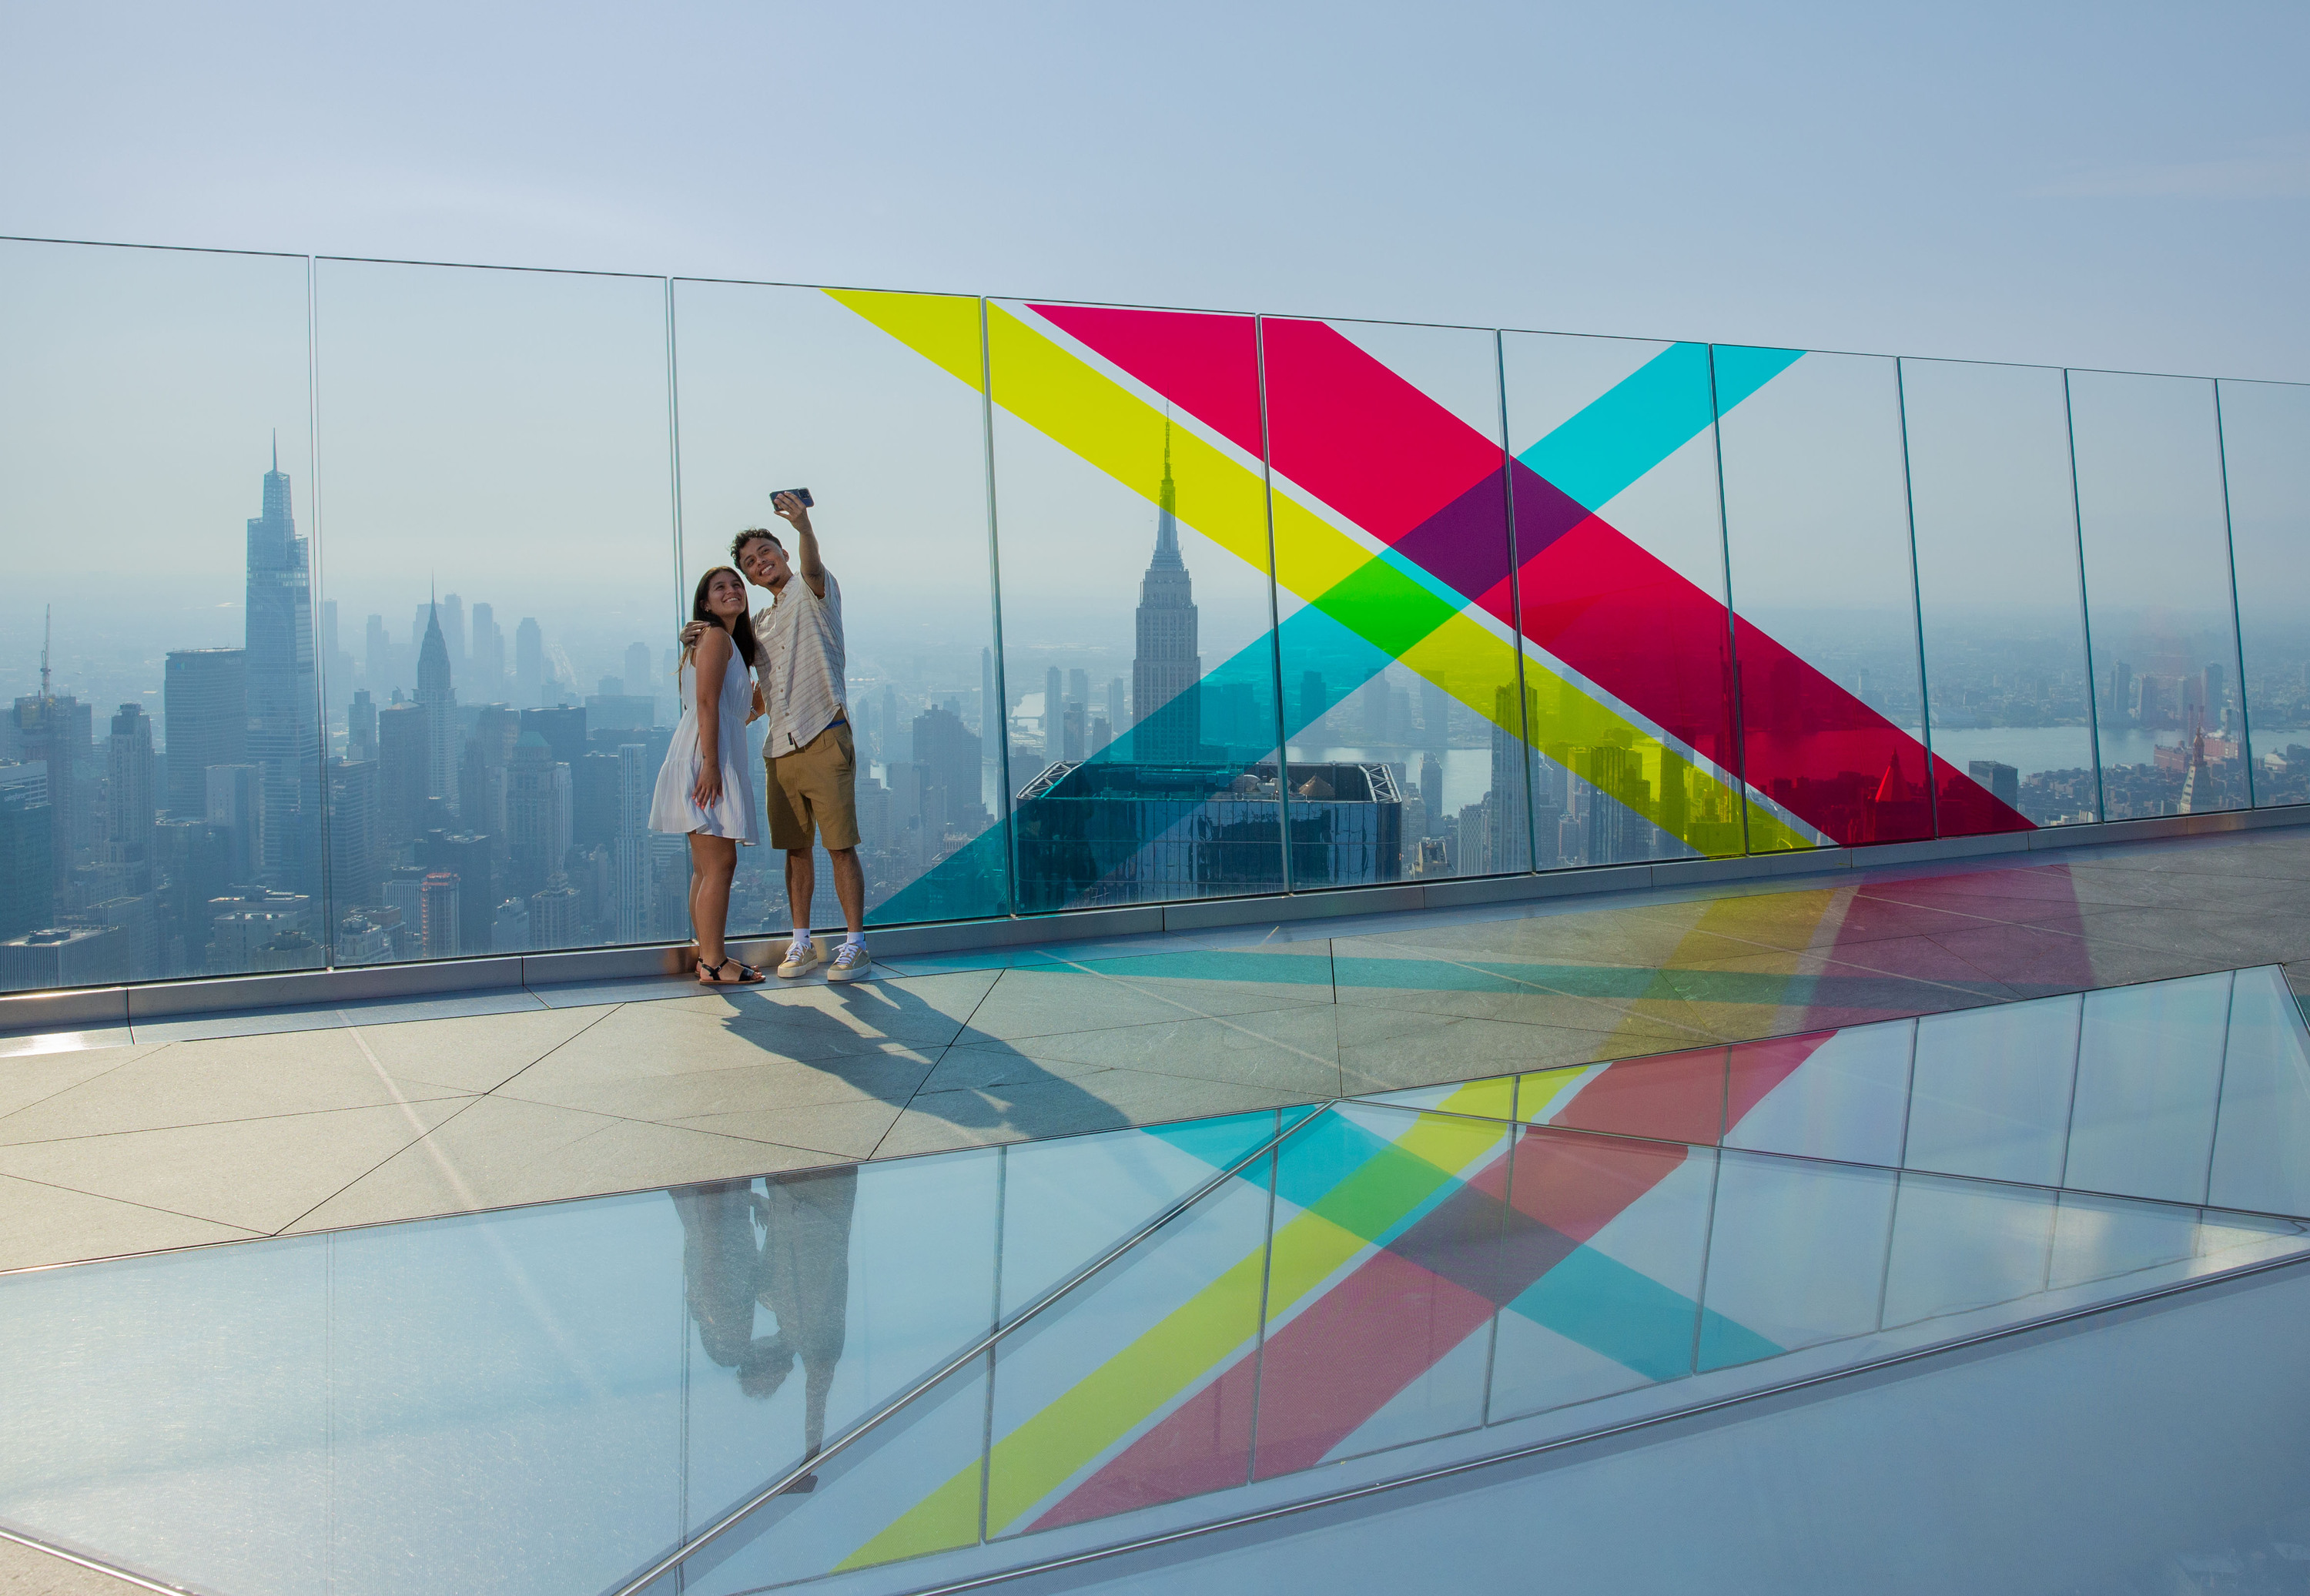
851, 961
802, 958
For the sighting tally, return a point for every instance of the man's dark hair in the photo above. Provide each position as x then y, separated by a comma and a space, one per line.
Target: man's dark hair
738, 544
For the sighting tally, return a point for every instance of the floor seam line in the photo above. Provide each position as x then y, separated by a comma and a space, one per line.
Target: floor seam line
149, 1208
557, 1047
380, 1164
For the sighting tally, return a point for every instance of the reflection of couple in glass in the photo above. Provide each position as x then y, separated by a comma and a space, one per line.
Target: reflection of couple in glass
786, 663
799, 1268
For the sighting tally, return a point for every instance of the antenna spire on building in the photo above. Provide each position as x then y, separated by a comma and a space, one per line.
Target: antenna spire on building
47, 636
276, 451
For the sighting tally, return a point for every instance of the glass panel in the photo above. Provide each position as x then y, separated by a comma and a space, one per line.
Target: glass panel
1627, 640
2149, 1067
1676, 1095
1137, 1387
539, 1333
2261, 1143
927, 1454
1999, 595
159, 756
1991, 1093
1796, 1256
1817, 522
1066, 1200
815, 1298
2266, 459
1602, 1284
1394, 1346
815, 388
231, 1493
500, 514
1833, 1095
2099, 1238
2159, 596
1132, 523
1393, 580
1960, 1245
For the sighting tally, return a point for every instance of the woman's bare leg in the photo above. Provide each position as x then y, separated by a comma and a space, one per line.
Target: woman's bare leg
713, 861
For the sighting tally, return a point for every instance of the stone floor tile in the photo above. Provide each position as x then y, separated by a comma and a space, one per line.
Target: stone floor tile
919, 1011
26, 1571
763, 1082
43, 1223
1110, 1100
1387, 1050
1057, 1001
2038, 963
501, 1152
211, 1082
596, 994
1289, 1050
29, 1077
401, 1011
253, 1173
26, 1044
1771, 994
473, 1054
848, 1131
1628, 937
998, 1064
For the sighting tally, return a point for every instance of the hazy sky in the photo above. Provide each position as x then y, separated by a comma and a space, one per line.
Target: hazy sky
2107, 184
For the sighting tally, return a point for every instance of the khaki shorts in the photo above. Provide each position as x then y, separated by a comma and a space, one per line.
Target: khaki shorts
815, 789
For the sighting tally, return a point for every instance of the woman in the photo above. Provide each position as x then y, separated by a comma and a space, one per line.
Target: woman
703, 789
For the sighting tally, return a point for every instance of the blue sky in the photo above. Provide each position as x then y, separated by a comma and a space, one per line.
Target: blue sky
2123, 185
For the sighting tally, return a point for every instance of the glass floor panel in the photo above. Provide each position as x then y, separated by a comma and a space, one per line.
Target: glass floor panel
899, 1374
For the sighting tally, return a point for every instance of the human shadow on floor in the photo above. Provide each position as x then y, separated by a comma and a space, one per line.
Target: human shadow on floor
1005, 1095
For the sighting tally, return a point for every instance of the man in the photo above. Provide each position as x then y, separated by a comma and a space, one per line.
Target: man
812, 786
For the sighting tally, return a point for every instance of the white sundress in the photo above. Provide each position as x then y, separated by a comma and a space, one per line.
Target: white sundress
734, 814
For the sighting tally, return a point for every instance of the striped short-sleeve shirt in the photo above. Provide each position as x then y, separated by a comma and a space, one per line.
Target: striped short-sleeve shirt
801, 667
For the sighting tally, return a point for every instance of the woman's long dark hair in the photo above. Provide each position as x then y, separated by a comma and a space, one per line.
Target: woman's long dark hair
744, 632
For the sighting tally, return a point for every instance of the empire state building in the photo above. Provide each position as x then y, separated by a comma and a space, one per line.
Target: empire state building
1166, 667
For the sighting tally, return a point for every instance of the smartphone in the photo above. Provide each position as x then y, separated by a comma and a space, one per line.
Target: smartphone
801, 493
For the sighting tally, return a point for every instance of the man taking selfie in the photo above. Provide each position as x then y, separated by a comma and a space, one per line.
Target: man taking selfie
811, 760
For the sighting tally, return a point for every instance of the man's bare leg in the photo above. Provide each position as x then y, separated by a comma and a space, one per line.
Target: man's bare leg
802, 884
850, 889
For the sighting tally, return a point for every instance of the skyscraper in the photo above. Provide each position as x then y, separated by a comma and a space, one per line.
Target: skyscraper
52, 732
237, 802
404, 758
538, 813
438, 914
1167, 664
356, 843
26, 875
129, 797
487, 671
204, 707
361, 727
384, 670
636, 778
528, 663
453, 629
949, 752
284, 730
436, 697
990, 703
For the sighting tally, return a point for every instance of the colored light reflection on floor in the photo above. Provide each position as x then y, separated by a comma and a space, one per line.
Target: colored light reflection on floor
556, 1398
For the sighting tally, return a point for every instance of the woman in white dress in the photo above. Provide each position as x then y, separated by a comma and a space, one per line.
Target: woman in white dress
703, 789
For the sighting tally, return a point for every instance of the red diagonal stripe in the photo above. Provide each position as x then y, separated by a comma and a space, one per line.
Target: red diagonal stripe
1374, 446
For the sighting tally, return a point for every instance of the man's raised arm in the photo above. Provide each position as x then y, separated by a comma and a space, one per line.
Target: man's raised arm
807, 564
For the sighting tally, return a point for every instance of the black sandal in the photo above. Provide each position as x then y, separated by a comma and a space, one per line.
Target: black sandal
710, 975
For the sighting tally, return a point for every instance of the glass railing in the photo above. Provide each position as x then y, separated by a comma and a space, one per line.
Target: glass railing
935, 1367
1141, 606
